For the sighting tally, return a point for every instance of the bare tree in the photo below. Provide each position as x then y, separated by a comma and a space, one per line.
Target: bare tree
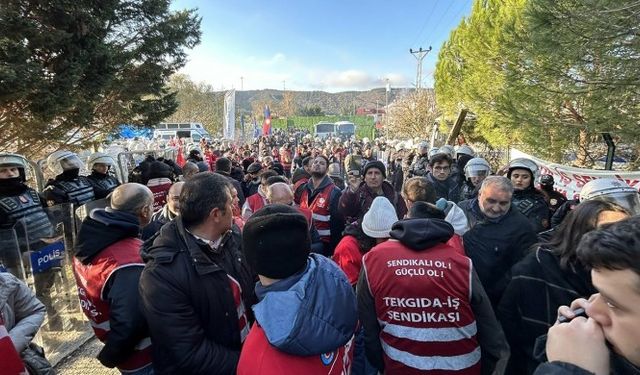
412, 115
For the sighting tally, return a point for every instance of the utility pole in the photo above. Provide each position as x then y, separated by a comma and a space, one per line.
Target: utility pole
386, 95
241, 83
419, 55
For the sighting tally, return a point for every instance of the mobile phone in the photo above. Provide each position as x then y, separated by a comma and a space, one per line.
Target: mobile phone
578, 312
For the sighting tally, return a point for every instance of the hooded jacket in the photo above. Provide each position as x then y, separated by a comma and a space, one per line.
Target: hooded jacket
20, 309
304, 324
457, 219
102, 229
188, 299
421, 235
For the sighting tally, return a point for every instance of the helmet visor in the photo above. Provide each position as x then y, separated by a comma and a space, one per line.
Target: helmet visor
628, 200
472, 171
71, 162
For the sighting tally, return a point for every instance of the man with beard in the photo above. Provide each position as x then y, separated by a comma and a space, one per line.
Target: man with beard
321, 196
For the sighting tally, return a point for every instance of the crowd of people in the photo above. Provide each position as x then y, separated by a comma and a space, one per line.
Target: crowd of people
293, 255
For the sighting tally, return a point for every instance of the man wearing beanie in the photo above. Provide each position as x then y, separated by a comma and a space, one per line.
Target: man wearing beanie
306, 315
358, 196
423, 308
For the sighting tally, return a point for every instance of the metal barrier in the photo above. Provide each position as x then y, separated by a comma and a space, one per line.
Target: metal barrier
45, 264
129, 160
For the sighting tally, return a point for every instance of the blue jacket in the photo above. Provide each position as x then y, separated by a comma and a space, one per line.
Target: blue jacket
310, 313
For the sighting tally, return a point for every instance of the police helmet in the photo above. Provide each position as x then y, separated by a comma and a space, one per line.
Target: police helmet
99, 158
422, 146
447, 149
63, 160
465, 150
14, 160
477, 167
433, 151
612, 190
522, 163
547, 180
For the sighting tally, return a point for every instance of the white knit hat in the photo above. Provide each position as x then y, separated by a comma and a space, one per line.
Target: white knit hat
377, 222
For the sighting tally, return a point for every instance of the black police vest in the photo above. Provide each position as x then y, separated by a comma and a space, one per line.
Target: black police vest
79, 191
106, 184
28, 207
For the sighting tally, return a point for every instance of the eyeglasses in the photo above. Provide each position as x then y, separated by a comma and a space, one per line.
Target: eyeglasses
442, 169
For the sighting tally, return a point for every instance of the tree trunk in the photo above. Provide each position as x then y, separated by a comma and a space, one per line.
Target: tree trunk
582, 157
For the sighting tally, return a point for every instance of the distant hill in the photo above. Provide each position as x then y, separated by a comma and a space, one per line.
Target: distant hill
340, 103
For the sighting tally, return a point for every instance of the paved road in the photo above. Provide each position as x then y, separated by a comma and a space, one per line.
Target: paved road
83, 361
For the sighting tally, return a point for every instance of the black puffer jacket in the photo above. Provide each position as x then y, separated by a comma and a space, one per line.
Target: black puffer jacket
188, 301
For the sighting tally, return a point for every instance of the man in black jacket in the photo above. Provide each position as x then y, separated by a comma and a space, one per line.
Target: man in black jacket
498, 236
223, 167
196, 288
107, 266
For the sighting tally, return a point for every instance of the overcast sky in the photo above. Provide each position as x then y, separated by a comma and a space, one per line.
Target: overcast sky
318, 45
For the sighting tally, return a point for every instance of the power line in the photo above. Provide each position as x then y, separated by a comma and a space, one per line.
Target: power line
419, 55
455, 19
440, 20
426, 22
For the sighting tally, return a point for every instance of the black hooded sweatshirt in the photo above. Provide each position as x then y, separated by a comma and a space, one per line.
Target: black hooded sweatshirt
128, 326
421, 235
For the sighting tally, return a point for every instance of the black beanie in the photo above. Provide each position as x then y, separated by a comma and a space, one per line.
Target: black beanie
375, 164
276, 241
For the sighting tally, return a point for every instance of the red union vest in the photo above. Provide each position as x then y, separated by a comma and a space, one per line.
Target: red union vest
297, 190
320, 210
91, 279
160, 190
256, 202
422, 300
259, 357
307, 215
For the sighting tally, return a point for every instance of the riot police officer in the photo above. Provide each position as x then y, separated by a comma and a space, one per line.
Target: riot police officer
554, 199
103, 183
526, 198
420, 166
68, 186
20, 204
476, 170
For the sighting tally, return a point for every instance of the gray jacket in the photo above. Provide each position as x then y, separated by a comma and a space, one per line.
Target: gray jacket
22, 312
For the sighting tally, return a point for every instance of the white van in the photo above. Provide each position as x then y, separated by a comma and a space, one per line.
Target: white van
324, 130
345, 129
168, 130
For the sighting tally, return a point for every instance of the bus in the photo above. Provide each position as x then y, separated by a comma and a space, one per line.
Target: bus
168, 130
345, 129
324, 130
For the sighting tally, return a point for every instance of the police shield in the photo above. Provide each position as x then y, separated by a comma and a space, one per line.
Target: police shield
85, 210
10, 250
48, 266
